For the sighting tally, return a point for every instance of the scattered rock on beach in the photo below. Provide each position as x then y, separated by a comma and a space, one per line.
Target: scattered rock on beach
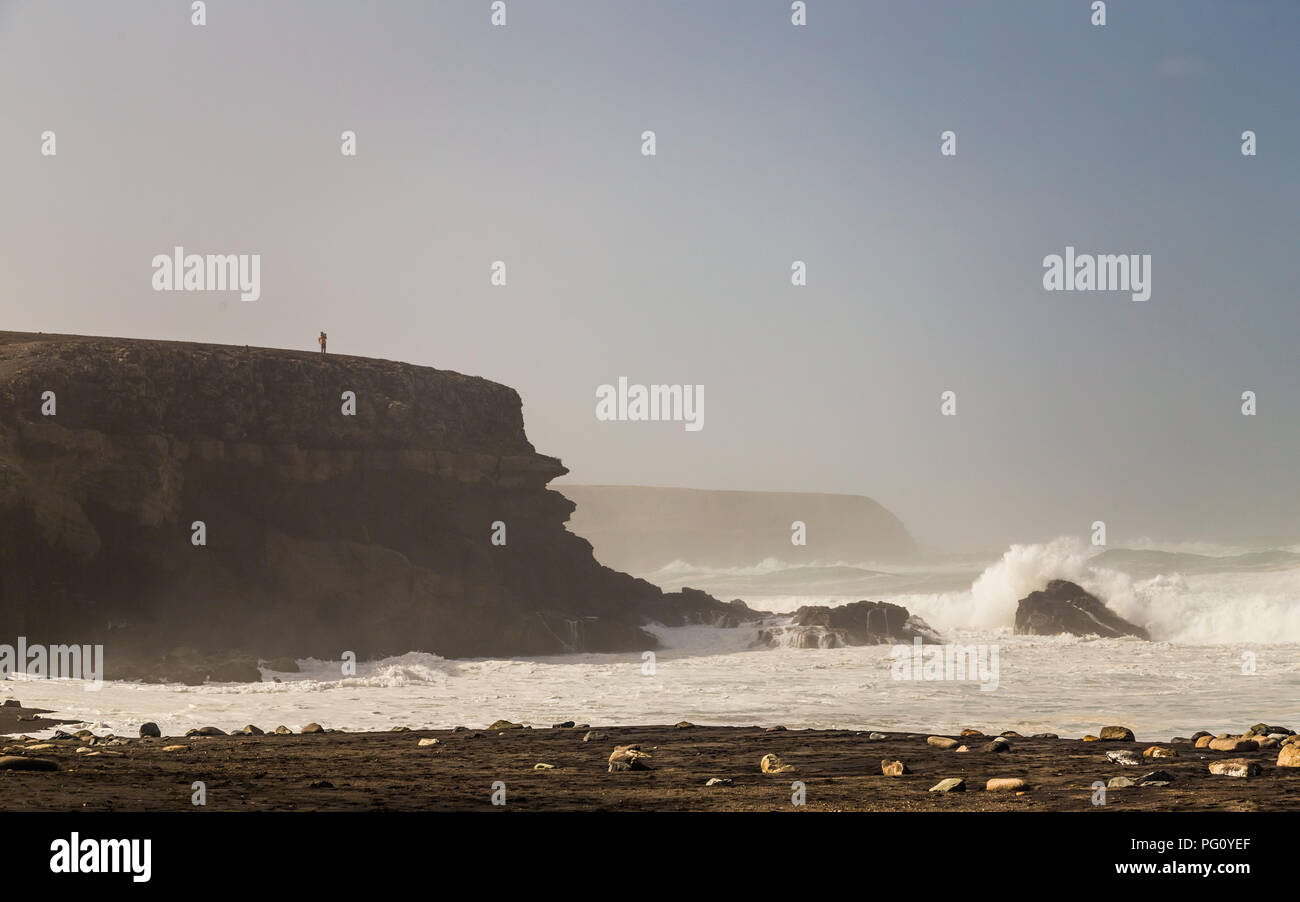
942, 742
252, 730
565, 725
1203, 741
771, 764
1235, 767
427, 741
1006, 784
282, 730
1289, 756
971, 732
151, 730
685, 725
593, 736
1157, 751
629, 756
505, 725
1116, 734
1233, 744
952, 784
1127, 759
542, 765
22, 762
1120, 782
1156, 778
893, 768
997, 746
313, 728
876, 737
720, 781
11, 703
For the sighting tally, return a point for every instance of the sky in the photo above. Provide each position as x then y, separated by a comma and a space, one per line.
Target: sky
774, 143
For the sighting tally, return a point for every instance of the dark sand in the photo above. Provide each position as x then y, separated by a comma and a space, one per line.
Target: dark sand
841, 771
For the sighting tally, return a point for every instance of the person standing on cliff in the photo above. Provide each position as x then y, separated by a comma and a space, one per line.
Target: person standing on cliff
321, 339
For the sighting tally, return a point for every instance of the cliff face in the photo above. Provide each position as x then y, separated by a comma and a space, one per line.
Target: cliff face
324, 532
642, 528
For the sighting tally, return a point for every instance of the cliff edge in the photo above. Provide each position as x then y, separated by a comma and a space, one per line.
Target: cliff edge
322, 532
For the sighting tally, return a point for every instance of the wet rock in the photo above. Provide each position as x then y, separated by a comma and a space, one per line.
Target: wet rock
321, 784
206, 731
313, 728
1233, 744
1088, 737
1235, 767
685, 725
1116, 734
565, 725
893, 768
282, 730
505, 725
1006, 784
952, 784
151, 730
777, 728
593, 736
1203, 741
252, 730
1127, 759
720, 781
1120, 782
11, 703
400, 729
1065, 607
941, 742
1044, 736
1195, 737
856, 623
996, 747
971, 732
876, 737
1289, 756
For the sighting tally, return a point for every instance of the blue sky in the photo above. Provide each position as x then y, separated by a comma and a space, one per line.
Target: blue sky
775, 143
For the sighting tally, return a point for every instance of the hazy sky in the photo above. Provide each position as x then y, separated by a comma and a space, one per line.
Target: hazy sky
775, 143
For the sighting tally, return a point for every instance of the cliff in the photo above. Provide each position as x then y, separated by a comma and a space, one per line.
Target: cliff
325, 533
640, 528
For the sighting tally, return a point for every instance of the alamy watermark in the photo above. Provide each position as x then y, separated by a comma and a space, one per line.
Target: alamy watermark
1098, 272
681, 403
180, 271
54, 662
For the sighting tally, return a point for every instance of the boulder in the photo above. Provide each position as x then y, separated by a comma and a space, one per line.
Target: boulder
1116, 734
313, 728
1235, 767
1065, 607
1233, 744
942, 742
893, 768
1289, 756
150, 729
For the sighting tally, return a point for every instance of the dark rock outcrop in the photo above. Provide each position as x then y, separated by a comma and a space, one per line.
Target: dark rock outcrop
856, 623
325, 533
1064, 607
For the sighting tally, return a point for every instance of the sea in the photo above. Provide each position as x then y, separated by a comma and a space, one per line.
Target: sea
1224, 654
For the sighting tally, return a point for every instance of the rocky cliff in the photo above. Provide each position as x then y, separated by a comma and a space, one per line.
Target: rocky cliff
643, 528
323, 532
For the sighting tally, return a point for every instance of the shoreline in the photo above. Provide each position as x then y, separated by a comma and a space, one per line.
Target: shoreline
840, 770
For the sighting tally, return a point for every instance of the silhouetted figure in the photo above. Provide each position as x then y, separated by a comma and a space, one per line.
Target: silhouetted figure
321, 339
